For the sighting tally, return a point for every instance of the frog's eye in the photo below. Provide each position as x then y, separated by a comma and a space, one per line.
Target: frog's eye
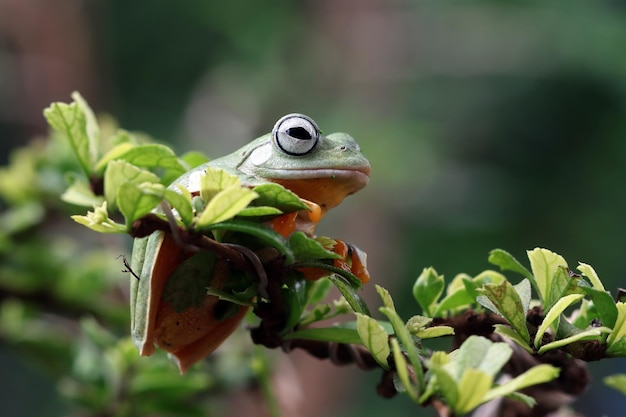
295, 134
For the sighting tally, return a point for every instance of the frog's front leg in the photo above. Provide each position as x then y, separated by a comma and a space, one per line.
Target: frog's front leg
352, 259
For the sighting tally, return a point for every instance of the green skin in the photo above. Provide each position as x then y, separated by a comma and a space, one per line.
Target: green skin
333, 169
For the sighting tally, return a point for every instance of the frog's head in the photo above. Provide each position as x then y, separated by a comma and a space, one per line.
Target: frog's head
322, 169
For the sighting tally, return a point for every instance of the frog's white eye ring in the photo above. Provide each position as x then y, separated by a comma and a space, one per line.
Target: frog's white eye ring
295, 134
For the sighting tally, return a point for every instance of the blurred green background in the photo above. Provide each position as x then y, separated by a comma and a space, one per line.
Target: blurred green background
488, 124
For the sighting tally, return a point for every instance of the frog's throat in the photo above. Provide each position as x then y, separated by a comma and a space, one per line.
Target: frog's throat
326, 187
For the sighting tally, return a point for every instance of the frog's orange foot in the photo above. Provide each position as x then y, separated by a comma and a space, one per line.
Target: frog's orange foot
304, 221
353, 260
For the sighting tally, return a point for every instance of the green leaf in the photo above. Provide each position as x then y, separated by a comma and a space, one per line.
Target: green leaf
182, 204
327, 334
554, 314
275, 195
545, 265
617, 348
604, 305
261, 211
385, 296
318, 290
525, 295
619, 330
214, 180
403, 334
462, 291
503, 299
535, 375
527, 400
137, 200
473, 386
590, 273
120, 172
225, 205
350, 294
153, 156
374, 337
71, 121
562, 285
266, 235
194, 159
306, 249
418, 326
427, 289
617, 381
593, 333
115, 153
445, 384
507, 262
506, 331
401, 369
481, 353
80, 193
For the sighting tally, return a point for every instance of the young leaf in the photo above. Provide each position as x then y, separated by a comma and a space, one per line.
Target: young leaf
554, 314
71, 121
137, 200
604, 305
619, 330
182, 204
119, 172
260, 211
427, 289
480, 353
401, 369
111, 155
462, 291
214, 180
473, 386
506, 331
507, 262
593, 333
435, 331
445, 384
617, 381
403, 334
153, 156
563, 284
275, 195
225, 205
590, 273
523, 290
193, 159
503, 299
306, 248
80, 193
350, 294
99, 221
545, 265
385, 296
535, 375
374, 337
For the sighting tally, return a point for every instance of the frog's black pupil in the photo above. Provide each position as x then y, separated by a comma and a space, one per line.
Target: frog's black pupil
299, 133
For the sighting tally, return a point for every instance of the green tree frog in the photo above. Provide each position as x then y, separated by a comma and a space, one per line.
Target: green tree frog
321, 170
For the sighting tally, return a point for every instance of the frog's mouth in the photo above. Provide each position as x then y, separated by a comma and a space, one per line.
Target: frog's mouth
326, 187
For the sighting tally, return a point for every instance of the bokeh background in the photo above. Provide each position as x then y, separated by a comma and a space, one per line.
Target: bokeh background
488, 124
